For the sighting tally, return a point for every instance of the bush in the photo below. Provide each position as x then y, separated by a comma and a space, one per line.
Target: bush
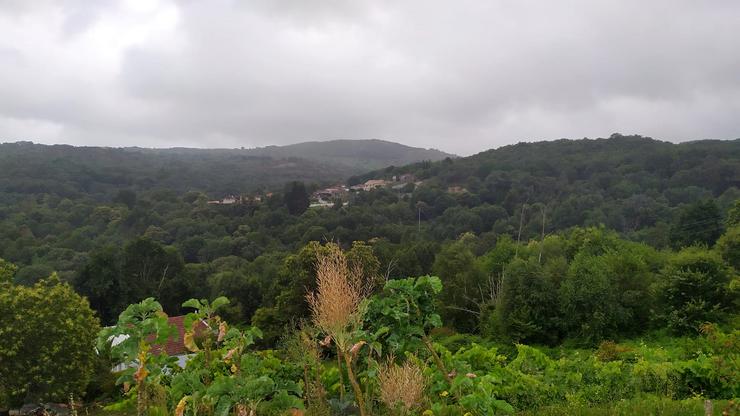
695, 289
47, 346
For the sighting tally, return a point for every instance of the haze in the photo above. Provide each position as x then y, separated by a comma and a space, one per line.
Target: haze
459, 76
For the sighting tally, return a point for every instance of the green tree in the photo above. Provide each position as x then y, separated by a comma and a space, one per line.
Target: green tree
296, 198
284, 301
698, 223
588, 300
733, 215
729, 247
113, 278
100, 281
7, 271
528, 308
632, 269
288, 292
361, 257
126, 197
47, 347
457, 267
241, 288
495, 260
695, 289
151, 269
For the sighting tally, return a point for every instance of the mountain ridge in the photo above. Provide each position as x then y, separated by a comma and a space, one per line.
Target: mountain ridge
27, 167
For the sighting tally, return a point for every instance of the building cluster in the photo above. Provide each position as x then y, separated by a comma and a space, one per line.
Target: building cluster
240, 199
397, 182
327, 197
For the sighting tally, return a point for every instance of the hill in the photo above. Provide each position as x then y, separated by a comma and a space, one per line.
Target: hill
587, 173
363, 154
608, 160
27, 168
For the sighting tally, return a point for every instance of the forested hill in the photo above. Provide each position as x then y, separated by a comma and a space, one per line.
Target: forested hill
27, 168
362, 154
625, 182
52, 218
617, 163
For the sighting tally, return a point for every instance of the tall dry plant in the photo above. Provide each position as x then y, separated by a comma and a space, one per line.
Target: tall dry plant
401, 386
337, 306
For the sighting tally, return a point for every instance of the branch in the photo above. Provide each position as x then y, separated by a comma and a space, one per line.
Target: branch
457, 308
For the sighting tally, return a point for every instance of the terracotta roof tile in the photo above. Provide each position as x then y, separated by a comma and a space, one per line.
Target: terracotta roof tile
176, 344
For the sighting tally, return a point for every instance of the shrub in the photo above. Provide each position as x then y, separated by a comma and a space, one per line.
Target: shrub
588, 300
47, 342
695, 289
611, 351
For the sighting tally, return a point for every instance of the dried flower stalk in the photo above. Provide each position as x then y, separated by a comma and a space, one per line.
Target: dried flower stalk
401, 386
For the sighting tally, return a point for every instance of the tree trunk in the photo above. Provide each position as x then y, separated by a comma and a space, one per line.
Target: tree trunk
341, 376
355, 385
435, 357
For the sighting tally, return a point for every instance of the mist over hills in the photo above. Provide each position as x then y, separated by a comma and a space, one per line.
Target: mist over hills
65, 170
362, 154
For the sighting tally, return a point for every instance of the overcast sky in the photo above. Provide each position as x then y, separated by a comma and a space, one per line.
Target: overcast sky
462, 76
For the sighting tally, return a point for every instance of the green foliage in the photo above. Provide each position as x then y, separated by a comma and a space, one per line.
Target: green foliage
643, 405
139, 327
54, 217
733, 215
131, 229
613, 373
461, 274
728, 247
699, 223
113, 278
695, 289
225, 377
713, 370
527, 309
588, 299
296, 198
47, 340
235, 379
7, 271
285, 303
403, 313
221, 377
70, 171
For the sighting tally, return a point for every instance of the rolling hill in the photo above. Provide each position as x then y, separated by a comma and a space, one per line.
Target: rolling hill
28, 168
362, 154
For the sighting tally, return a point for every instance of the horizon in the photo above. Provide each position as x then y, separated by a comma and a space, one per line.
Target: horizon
244, 148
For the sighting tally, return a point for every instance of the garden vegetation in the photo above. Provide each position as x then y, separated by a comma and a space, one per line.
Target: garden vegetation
584, 277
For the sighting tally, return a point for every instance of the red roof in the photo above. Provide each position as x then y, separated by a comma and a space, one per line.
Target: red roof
175, 345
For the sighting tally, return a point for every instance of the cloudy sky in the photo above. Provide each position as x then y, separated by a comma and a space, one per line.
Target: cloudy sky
461, 76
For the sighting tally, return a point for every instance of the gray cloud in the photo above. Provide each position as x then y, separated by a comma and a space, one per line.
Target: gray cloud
462, 76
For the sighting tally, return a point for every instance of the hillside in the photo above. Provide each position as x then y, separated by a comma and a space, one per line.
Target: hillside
610, 160
27, 168
58, 202
628, 183
362, 154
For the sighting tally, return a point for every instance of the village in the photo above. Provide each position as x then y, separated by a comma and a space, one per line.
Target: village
329, 196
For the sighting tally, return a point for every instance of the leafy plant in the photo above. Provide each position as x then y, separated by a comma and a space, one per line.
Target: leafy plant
139, 327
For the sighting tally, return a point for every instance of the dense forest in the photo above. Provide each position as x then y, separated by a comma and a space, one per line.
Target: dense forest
96, 172
361, 155
641, 188
575, 246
